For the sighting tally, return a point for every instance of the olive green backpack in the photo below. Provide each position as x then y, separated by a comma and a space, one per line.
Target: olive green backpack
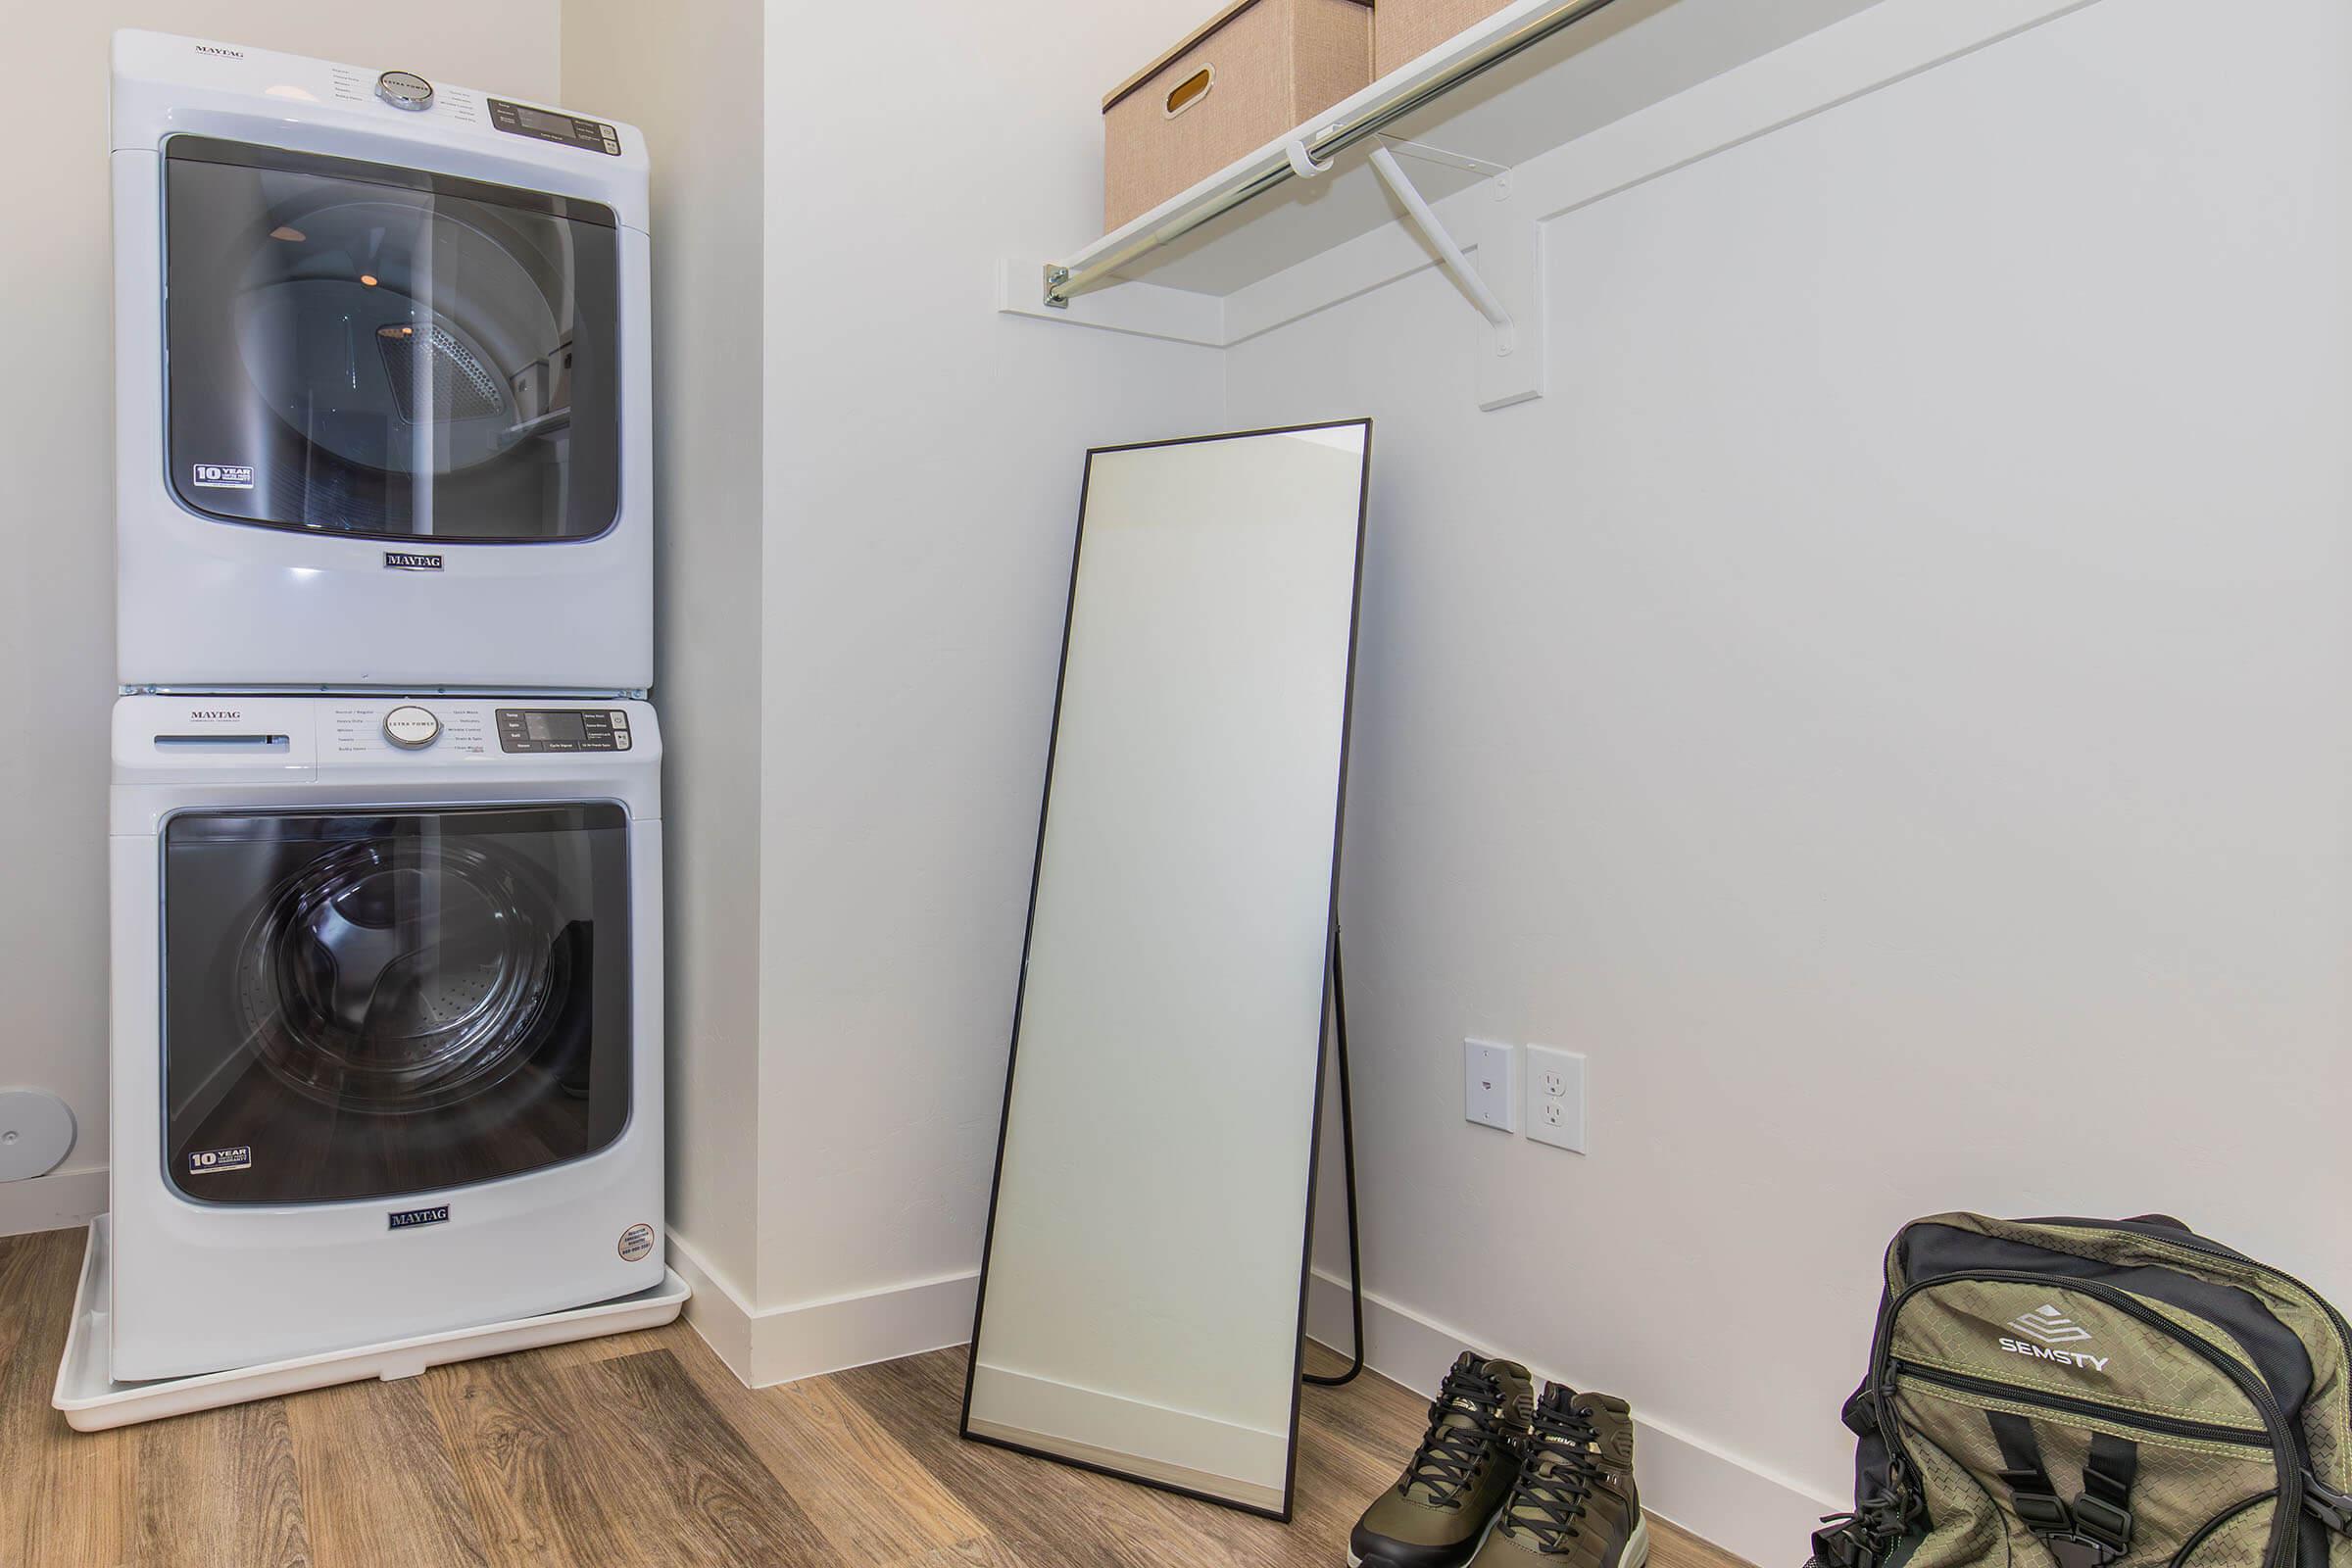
2096, 1393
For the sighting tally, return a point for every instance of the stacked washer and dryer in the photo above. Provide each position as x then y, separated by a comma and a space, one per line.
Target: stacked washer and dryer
387, 858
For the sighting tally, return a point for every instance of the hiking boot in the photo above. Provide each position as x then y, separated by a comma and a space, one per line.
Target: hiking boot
1574, 1503
1439, 1509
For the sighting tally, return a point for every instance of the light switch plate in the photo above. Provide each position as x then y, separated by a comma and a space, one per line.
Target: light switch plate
1555, 1098
1486, 1097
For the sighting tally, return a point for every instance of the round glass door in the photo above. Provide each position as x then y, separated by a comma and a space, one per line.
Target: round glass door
400, 975
360, 349
364, 1004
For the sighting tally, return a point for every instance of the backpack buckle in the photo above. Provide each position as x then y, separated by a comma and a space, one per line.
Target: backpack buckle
2044, 1512
2103, 1523
2330, 1508
2089, 1534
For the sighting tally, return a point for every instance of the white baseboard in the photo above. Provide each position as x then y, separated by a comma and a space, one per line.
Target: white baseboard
767, 1345
1741, 1506
63, 1200
716, 1310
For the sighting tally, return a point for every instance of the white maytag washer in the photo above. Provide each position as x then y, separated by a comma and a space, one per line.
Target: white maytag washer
382, 381
387, 1020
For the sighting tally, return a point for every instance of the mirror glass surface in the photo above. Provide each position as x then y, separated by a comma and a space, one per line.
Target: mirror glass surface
1141, 1302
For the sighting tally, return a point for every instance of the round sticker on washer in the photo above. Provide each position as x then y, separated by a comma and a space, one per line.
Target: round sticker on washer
636, 1242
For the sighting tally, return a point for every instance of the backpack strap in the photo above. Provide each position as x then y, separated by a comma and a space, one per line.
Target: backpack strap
2030, 1493
1868, 1538
2104, 1510
2097, 1529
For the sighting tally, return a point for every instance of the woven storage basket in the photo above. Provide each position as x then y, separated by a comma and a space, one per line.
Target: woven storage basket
1254, 70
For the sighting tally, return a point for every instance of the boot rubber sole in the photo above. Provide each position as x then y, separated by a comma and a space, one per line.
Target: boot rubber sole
1637, 1546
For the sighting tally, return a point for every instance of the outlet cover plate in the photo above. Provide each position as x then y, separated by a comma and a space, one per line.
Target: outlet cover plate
1555, 1098
1487, 1083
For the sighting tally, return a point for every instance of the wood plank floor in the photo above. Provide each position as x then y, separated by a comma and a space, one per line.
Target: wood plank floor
636, 1452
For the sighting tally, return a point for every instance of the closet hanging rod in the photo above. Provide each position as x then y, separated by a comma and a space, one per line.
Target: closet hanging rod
1092, 267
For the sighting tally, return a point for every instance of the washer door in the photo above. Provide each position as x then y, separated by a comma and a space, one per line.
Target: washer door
361, 349
358, 1005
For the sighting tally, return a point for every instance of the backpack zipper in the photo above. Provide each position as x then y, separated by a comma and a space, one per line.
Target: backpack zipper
2190, 1242
2213, 1525
2088, 1409
2281, 1438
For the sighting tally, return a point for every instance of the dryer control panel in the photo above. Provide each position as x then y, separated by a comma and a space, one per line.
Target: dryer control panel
554, 124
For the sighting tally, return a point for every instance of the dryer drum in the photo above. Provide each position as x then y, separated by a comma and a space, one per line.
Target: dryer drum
389, 352
395, 975
461, 316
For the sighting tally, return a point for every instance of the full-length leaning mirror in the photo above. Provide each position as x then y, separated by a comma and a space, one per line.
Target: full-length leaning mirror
1145, 1267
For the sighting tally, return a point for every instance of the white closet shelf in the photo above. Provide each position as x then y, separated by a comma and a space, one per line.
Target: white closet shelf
1532, 77
1545, 107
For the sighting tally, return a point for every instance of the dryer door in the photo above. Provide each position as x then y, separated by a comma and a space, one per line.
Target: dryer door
366, 350
363, 1004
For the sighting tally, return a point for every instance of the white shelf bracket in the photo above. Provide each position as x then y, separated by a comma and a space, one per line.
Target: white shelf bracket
1505, 283
1449, 255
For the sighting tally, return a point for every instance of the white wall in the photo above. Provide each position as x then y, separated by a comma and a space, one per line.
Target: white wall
56, 444
922, 484
1884, 705
1879, 705
860, 613
690, 77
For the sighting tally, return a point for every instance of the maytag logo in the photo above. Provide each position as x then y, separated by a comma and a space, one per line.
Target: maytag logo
220, 49
408, 1219
229, 714
402, 561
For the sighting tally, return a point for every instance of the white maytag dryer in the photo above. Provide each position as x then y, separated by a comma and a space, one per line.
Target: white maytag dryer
382, 376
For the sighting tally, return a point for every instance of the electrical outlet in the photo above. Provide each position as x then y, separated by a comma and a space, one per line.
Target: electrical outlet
1555, 1098
1487, 1083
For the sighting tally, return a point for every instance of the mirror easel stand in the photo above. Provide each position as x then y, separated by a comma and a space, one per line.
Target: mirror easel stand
1355, 1254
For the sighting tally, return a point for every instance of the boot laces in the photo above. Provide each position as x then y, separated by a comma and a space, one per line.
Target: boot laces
1466, 1417
1555, 1479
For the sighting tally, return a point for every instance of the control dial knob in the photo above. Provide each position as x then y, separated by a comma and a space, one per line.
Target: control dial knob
404, 89
412, 728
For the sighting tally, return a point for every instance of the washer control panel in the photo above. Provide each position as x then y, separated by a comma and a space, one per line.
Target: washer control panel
553, 125
562, 729
444, 732
452, 739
